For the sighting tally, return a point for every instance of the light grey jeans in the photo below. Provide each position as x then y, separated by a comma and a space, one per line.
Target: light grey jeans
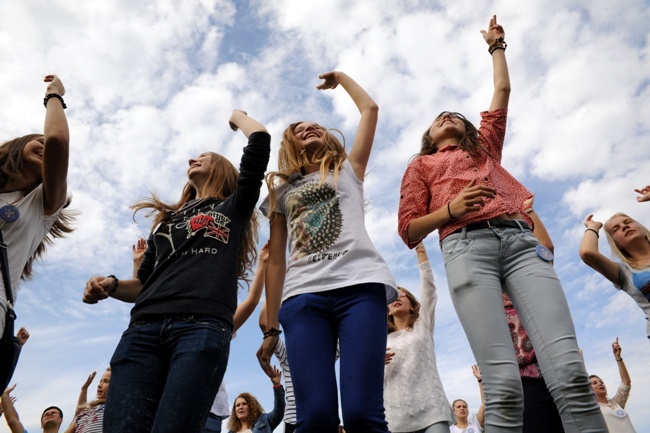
479, 264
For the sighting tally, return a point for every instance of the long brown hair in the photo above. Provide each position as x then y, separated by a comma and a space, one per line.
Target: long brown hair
255, 411
12, 167
415, 312
292, 159
470, 142
220, 184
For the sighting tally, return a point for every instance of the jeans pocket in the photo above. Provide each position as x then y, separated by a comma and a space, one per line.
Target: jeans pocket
291, 307
454, 248
528, 238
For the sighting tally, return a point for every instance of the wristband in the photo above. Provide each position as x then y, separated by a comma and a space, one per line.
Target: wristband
619, 359
449, 211
54, 95
272, 333
592, 230
114, 286
480, 380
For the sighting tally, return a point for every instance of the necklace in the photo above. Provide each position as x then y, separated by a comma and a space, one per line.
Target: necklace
9, 212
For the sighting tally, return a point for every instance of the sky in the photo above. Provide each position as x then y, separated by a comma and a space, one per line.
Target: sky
150, 84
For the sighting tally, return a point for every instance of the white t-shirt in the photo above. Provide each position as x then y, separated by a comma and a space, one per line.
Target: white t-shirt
23, 236
633, 281
329, 246
220, 404
616, 417
472, 427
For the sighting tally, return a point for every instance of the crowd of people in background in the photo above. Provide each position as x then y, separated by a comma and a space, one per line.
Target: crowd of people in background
333, 296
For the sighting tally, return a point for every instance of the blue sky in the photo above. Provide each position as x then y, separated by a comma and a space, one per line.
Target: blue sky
151, 84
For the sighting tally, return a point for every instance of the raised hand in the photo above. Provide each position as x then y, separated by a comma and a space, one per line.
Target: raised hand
476, 372
616, 348
22, 336
88, 381
494, 31
590, 223
232, 122
644, 194
330, 80
55, 86
138, 250
264, 253
276, 378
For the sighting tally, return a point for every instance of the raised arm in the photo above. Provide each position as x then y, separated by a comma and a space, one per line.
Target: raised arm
428, 294
591, 256
239, 119
622, 369
495, 38
248, 305
480, 415
275, 273
55, 148
138, 255
540, 230
11, 416
368, 108
279, 401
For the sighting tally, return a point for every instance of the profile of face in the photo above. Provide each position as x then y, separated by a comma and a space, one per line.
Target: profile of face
401, 306
460, 409
310, 136
447, 125
624, 230
598, 386
199, 168
33, 158
102, 386
51, 418
241, 409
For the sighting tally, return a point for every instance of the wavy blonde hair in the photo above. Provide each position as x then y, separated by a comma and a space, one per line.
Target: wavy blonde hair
617, 251
292, 159
220, 184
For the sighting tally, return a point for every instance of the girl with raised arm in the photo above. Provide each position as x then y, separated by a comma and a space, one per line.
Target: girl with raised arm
411, 373
458, 186
170, 361
34, 190
629, 242
336, 285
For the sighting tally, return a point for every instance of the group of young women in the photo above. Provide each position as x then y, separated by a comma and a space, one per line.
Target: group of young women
334, 287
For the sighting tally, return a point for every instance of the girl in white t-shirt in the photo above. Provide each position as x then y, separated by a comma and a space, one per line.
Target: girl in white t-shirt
334, 286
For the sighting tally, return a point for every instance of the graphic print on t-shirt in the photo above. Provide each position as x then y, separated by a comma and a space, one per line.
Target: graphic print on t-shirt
641, 281
214, 224
314, 214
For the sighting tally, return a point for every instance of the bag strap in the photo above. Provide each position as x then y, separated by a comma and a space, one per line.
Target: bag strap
5, 270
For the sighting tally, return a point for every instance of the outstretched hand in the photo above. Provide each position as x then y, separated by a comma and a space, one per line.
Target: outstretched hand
277, 377
494, 31
22, 335
590, 223
476, 372
264, 354
644, 194
330, 80
55, 86
88, 381
470, 199
232, 122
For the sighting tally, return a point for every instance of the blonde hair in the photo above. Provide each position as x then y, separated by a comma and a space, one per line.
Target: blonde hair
92, 403
617, 251
292, 159
220, 184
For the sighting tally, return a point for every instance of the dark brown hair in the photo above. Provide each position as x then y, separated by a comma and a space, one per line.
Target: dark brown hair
470, 142
12, 167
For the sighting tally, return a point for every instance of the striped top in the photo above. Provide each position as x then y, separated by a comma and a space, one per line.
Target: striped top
290, 409
90, 420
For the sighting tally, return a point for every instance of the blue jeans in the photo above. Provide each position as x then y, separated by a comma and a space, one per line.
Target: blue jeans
165, 374
213, 424
479, 264
313, 322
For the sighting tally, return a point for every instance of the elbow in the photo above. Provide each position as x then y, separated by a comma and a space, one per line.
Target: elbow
503, 87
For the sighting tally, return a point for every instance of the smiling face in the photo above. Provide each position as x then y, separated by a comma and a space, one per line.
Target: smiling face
33, 159
199, 167
241, 409
310, 136
102, 386
448, 125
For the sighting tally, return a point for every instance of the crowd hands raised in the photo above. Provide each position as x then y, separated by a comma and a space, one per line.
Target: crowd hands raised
315, 204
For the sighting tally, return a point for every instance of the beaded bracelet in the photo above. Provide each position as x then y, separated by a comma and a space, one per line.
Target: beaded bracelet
272, 333
492, 48
54, 95
114, 287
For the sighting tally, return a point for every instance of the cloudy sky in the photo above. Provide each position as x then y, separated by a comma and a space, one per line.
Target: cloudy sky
152, 83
